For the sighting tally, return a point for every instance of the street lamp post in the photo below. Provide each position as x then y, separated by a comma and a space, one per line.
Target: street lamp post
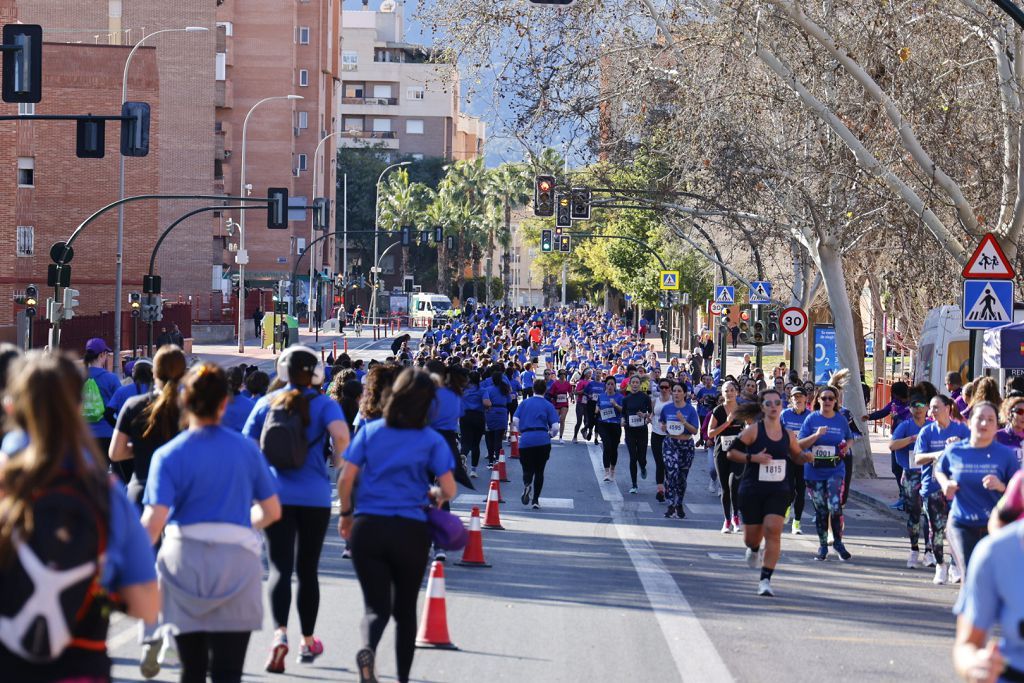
326, 226
376, 238
119, 270
242, 256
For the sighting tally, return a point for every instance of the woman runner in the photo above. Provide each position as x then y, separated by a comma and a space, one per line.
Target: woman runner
559, 394
793, 419
537, 421
609, 411
661, 399
680, 422
723, 429
636, 413
903, 439
471, 424
496, 398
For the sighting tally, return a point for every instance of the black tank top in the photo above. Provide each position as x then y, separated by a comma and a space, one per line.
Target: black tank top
773, 477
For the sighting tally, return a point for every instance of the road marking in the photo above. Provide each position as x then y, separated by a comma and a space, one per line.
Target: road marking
704, 508
130, 633
692, 650
469, 500
629, 506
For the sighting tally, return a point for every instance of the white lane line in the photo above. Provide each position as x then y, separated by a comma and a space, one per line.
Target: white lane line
692, 650
470, 500
130, 634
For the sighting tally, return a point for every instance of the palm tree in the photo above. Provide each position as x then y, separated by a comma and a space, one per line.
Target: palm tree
511, 187
465, 186
548, 162
402, 203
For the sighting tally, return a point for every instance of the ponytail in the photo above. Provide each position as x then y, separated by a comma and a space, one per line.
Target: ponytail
163, 414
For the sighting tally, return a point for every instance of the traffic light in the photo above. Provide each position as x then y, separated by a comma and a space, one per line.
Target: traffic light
424, 238
31, 300
54, 310
544, 196
90, 138
151, 284
723, 319
406, 234
565, 244
563, 211
321, 212
759, 337
580, 209
744, 325
70, 302
558, 231
23, 63
135, 303
277, 208
449, 242
773, 326
158, 307
545, 240
134, 129
58, 275
438, 234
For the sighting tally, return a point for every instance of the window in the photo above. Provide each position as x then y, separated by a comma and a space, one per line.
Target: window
414, 92
417, 157
221, 68
354, 89
229, 28
26, 171
381, 125
382, 91
302, 162
349, 60
303, 35
414, 127
352, 123
26, 245
303, 77
26, 109
303, 119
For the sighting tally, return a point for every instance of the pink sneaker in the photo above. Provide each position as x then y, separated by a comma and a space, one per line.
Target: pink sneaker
309, 653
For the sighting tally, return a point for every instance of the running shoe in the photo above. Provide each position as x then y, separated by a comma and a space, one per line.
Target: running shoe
472, 473
278, 651
309, 653
764, 587
941, 574
898, 505
913, 559
751, 557
796, 528
844, 554
149, 665
168, 652
536, 506
736, 523
525, 498
346, 554
822, 553
929, 558
680, 512
954, 574
440, 555
660, 496
634, 490
670, 513
364, 662
607, 475
643, 472
727, 527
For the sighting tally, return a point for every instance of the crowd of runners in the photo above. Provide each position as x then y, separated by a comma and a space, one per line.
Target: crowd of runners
397, 436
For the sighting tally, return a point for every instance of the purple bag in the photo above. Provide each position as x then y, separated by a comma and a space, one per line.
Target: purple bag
446, 530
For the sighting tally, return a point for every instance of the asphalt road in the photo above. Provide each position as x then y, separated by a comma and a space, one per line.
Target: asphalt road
600, 586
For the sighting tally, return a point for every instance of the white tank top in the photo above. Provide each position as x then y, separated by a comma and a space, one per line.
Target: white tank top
656, 420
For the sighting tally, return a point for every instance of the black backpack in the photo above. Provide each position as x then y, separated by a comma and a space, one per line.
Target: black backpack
283, 439
50, 593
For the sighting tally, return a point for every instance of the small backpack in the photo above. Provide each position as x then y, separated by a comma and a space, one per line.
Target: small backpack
283, 439
50, 592
93, 407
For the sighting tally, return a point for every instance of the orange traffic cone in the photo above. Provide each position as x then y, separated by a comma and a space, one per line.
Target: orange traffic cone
473, 555
433, 630
500, 467
513, 443
496, 480
492, 518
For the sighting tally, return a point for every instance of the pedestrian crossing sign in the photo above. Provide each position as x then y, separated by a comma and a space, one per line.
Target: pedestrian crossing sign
670, 279
987, 304
760, 292
725, 294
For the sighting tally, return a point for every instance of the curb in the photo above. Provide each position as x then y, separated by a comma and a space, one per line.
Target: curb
875, 503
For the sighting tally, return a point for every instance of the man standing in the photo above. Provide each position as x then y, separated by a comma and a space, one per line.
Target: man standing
177, 337
257, 320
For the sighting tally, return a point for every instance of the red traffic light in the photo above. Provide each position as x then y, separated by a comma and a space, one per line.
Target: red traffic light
544, 185
744, 315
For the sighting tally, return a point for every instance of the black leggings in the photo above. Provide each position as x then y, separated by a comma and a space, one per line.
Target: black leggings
293, 544
799, 491
611, 433
494, 437
657, 450
581, 419
636, 444
533, 460
472, 427
729, 474
390, 555
222, 654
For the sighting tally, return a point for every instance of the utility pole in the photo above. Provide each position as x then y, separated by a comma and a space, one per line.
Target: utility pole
565, 268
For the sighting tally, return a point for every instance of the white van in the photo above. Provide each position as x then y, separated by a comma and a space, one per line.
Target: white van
944, 346
429, 305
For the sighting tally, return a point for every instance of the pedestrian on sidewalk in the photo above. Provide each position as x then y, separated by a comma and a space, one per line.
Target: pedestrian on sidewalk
257, 323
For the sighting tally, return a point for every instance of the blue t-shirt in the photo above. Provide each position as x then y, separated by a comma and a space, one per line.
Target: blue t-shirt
211, 474
130, 559
496, 417
993, 592
309, 485
108, 385
472, 399
932, 439
396, 468
827, 446
446, 410
604, 404
536, 415
903, 430
527, 379
669, 414
237, 412
793, 420
123, 393
968, 465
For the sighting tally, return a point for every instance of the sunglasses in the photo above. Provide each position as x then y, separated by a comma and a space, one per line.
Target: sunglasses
925, 405
772, 404
826, 398
665, 386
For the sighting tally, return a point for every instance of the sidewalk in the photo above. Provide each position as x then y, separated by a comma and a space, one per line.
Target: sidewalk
879, 493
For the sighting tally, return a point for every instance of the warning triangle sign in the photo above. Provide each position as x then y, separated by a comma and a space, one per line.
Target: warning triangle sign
988, 308
989, 261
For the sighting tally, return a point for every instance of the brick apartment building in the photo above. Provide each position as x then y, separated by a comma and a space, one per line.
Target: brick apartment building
46, 191
271, 48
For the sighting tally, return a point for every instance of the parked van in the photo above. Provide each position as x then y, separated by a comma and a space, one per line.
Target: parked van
944, 346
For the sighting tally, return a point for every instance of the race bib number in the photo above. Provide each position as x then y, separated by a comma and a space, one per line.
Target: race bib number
562, 398
824, 456
675, 428
773, 471
727, 442
636, 421
607, 413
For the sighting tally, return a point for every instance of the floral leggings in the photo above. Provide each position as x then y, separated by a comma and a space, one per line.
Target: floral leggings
936, 511
826, 498
678, 460
912, 505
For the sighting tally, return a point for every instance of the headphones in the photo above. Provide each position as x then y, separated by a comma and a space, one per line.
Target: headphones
300, 358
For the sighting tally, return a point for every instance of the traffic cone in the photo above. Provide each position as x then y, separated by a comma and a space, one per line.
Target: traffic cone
492, 518
433, 630
473, 555
502, 471
496, 480
513, 443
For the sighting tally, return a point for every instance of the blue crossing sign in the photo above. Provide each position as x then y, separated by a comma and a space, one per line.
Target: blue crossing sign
760, 292
725, 294
987, 304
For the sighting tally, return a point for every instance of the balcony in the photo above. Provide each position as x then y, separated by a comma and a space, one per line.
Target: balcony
384, 101
387, 139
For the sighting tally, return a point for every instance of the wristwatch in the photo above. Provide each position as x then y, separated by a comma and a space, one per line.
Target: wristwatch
346, 513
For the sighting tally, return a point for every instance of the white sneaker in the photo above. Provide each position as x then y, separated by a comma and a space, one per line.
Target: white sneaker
472, 473
634, 490
954, 574
941, 574
929, 559
796, 528
753, 558
764, 587
168, 652
912, 559
726, 527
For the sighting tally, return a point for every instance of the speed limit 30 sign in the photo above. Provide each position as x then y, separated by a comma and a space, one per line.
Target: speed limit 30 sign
793, 321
